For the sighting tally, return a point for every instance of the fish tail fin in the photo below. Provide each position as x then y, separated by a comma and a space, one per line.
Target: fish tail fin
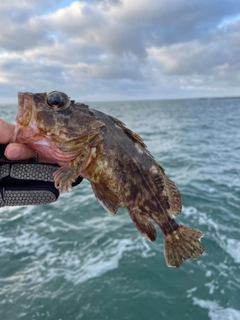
182, 244
143, 224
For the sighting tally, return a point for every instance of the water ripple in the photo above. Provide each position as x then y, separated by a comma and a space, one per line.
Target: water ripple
72, 260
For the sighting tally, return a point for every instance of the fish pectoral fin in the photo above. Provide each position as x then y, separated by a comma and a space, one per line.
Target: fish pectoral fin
182, 244
108, 199
143, 224
64, 178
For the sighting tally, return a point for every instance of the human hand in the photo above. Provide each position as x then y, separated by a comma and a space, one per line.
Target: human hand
14, 151
24, 180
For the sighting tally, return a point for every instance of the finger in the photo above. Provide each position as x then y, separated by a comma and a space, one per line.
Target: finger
7, 130
17, 151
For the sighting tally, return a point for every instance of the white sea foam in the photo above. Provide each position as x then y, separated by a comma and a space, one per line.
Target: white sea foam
96, 264
208, 273
216, 312
200, 217
45, 263
103, 261
212, 285
232, 247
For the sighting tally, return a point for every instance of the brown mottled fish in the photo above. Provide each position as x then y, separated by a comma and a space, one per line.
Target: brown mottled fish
114, 159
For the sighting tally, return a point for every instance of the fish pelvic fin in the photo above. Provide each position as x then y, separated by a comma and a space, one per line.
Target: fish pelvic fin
143, 224
107, 198
182, 244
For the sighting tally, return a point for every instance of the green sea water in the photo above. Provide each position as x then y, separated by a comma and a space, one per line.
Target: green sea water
71, 260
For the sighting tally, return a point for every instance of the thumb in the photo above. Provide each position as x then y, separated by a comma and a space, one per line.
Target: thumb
17, 151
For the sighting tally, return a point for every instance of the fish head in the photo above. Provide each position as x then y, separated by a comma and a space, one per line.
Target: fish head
46, 115
52, 123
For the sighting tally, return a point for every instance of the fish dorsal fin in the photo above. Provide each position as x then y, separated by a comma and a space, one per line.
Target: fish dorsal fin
174, 197
106, 197
132, 135
168, 191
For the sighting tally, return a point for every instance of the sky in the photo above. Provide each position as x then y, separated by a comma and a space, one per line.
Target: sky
101, 50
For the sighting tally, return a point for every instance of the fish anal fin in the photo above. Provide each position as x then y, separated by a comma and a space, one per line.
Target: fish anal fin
108, 199
182, 244
143, 224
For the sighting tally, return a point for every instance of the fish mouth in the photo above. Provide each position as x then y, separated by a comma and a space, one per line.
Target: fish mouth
25, 125
24, 114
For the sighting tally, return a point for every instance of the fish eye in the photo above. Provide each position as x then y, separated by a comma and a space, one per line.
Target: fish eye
57, 100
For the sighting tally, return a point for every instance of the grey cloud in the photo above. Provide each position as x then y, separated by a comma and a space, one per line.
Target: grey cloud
121, 69
123, 41
30, 75
23, 24
172, 22
77, 20
219, 55
94, 26
122, 48
21, 11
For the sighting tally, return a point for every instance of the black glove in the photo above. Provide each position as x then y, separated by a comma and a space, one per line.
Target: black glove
27, 182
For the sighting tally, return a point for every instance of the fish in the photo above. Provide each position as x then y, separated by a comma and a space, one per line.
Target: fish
122, 172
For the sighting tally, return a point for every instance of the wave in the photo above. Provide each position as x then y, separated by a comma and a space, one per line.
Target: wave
216, 312
217, 231
48, 256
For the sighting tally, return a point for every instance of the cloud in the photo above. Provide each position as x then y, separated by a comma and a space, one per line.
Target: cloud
120, 49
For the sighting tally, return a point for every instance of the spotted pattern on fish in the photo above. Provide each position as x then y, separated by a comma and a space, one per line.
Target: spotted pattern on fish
114, 159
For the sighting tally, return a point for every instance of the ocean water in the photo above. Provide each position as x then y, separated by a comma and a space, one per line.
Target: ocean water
71, 260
